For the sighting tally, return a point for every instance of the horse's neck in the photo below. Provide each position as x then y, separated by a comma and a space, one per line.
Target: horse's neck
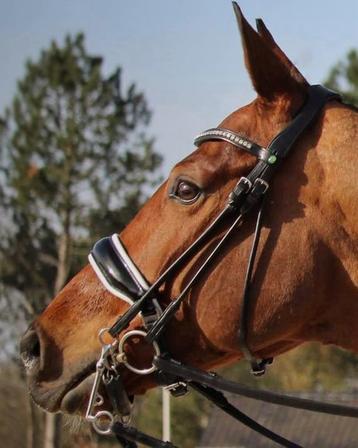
338, 157
337, 211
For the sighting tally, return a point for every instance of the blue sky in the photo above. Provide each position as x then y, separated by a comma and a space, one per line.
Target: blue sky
184, 54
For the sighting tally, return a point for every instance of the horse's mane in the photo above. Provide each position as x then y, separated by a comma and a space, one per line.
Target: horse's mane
350, 106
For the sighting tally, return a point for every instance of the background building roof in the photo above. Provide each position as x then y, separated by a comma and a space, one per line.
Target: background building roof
308, 429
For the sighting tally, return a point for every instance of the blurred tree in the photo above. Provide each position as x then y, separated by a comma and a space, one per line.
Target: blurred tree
75, 163
343, 78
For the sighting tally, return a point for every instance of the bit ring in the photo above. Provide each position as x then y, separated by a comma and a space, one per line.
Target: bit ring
124, 358
102, 428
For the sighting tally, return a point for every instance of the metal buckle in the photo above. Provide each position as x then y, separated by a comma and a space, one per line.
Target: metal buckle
247, 182
177, 389
242, 187
258, 366
150, 319
261, 183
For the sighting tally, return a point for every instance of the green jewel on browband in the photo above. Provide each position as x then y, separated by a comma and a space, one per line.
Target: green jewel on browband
272, 159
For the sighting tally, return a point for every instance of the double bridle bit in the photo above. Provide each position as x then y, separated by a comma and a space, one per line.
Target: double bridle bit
122, 278
108, 372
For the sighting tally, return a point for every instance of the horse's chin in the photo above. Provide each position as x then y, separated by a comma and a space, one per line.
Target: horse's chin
75, 401
69, 398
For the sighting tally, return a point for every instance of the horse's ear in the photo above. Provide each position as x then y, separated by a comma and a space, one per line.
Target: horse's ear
271, 72
267, 37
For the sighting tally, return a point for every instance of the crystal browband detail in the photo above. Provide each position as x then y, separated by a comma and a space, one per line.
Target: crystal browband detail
236, 139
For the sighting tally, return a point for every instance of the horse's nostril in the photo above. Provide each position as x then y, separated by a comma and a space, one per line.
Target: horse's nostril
35, 351
30, 349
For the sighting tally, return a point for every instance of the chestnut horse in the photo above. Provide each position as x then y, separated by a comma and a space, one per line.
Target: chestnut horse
305, 282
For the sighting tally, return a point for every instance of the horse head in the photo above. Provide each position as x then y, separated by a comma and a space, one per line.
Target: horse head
304, 261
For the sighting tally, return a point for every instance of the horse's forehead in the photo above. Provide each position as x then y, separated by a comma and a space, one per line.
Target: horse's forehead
258, 121
211, 159
240, 119
214, 157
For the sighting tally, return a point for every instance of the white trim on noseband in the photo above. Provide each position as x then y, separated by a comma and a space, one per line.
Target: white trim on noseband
136, 275
105, 283
132, 267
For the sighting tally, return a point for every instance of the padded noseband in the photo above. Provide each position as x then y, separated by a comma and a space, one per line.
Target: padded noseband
116, 270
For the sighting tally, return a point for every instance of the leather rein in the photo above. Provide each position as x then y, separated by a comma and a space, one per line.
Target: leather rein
118, 273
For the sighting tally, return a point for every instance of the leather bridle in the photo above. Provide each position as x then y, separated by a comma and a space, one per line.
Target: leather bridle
122, 278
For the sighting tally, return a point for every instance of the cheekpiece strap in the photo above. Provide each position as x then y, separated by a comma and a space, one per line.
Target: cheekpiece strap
235, 139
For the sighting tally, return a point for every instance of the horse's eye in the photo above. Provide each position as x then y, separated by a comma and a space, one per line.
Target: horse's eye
186, 191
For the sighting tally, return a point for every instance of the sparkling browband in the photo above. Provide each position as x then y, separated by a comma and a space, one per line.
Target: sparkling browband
236, 139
